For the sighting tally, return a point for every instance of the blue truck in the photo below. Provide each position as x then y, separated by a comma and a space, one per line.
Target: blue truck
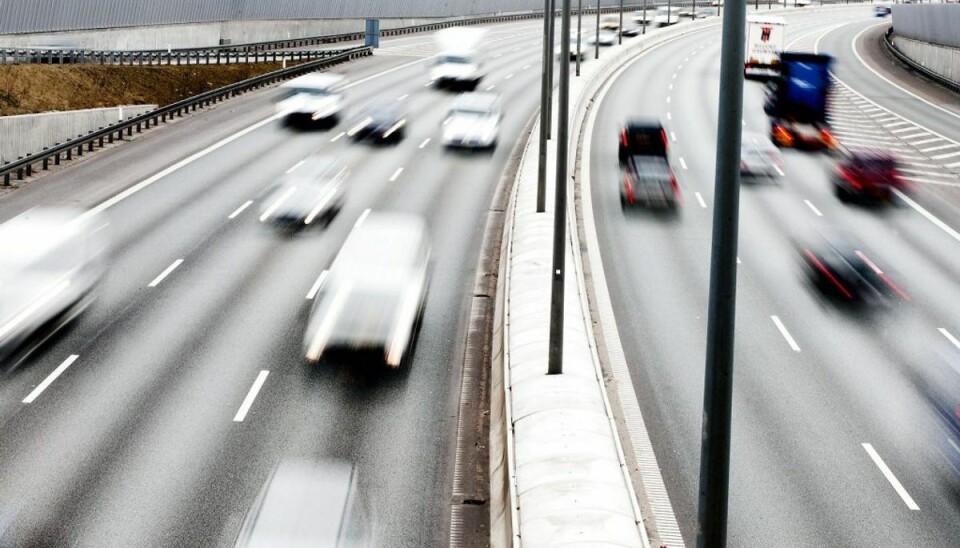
797, 102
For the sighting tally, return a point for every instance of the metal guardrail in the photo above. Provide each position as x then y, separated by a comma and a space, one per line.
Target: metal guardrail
24, 167
192, 56
902, 57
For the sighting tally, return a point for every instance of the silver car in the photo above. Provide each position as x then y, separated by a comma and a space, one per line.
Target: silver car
311, 194
374, 294
759, 157
473, 121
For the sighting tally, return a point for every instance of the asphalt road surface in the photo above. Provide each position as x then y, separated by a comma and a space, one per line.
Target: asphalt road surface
826, 414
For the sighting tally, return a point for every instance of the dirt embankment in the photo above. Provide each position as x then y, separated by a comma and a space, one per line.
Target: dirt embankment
26, 89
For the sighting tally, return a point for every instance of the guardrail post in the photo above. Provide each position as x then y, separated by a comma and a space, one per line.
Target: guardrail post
29, 170
6, 179
56, 158
46, 163
20, 173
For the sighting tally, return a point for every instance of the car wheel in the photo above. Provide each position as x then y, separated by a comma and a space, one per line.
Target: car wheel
841, 193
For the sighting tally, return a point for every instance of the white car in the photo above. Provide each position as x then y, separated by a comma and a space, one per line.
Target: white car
604, 38
473, 121
456, 70
51, 261
312, 100
759, 157
373, 297
311, 194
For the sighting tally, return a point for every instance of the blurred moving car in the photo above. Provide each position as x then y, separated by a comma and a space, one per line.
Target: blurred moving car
577, 48
308, 504
312, 191
759, 157
380, 123
867, 176
644, 166
666, 15
51, 261
604, 38
374, 295
457, 64
473, 121
840, 267
314, 99
882, 11
940, 387
631, 29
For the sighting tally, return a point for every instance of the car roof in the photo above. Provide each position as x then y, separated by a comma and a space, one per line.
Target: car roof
383, 238
643, 123
317, 80
477, 101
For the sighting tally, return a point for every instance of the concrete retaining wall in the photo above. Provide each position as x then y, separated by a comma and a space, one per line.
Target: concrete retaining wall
934, 23
29, 133
941, 60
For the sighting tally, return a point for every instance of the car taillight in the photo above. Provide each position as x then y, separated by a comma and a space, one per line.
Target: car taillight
848, 177
628, 187
623, 137
782, 136
828, 139
663, 137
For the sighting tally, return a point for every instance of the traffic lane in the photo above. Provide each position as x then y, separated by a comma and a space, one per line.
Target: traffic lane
186, 271
633, 239
924, 109
144, 240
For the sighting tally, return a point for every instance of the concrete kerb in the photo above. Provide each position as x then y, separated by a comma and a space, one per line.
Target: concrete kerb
521, 320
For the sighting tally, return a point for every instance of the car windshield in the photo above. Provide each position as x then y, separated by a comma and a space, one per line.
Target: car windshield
453, 59
315, 92
645, 140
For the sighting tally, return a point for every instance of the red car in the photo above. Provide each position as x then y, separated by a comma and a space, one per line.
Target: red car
867, 176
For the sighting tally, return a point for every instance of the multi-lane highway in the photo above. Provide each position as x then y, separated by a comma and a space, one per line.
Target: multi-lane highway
145, 439
832, 440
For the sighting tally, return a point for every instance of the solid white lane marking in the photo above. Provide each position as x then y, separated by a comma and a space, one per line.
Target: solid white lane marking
295, 166
361, 217
338, 136
813, 207
673, 137
953, 340
396, 174
110, 202
315, 288
156, 281
786, 334
240, 209
887, 473
930, 216
251, 396
50, 378
936, 148
402, 97
699, 196
424, 143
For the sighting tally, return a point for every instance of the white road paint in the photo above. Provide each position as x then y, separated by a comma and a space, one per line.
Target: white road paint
424, 143
673, 137
50, 378
402, 97
683, 163
337, 137
670, 87
669, 116
699, 196
668, 98
295, 166
509, 76
813, 208
925, 142
953, 340
953, 154
936, 148
490, 88
156, 281
240, 209
929, 216
887, 473
786, 334
315, 288
251, 396
361, 217
953, 165
396, 174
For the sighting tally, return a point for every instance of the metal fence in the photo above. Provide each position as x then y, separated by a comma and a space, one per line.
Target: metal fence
934, 23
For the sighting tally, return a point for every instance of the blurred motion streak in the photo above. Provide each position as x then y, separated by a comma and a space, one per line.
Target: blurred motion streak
314, 190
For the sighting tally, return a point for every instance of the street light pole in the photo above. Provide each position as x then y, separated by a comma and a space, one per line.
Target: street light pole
620, 26
550, 36
596, 38
579, 25
644, 31
546, 89
721, 312
555, 352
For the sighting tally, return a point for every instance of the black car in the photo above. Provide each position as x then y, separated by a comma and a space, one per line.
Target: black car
881, 11
384, 123
843, 269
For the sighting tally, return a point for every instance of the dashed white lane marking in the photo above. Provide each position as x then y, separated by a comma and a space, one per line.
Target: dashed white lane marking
156, 281
670, 87
295, 166
396, 174
240, 209
337, 137
668, 98
251, 396
786, 334
683, 163
669, 116
402, 97
673, 137
738, 260
813, 208
953, 340
50, 378
361, 217
525, 67
930, 216
699, 196
428, 84
490, 88
674, 77
315, 288
936, 148
887, 473
509, 76
424, 143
